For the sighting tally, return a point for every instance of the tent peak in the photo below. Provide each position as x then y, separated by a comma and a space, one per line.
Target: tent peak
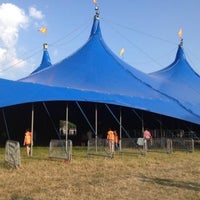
180, 52
95, 27
181, 42
180, 34
46, 61
97, 12
45, 46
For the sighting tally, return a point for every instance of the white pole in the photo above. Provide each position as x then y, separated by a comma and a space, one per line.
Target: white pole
96, 127
120, 130
142, 125
67, 124
32, 125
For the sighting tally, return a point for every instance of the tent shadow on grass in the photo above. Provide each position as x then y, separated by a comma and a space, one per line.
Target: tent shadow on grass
173, 183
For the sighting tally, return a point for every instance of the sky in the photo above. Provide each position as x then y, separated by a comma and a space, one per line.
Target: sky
146, 29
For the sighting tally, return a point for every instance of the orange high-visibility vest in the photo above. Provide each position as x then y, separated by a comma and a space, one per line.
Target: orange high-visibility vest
110, 135
116, 139
28, 138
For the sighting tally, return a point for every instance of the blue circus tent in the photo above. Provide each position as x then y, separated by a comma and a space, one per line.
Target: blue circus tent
46, 61
97, 72
180, 81
16, 92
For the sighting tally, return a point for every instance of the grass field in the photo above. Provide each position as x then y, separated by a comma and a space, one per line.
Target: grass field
154, 176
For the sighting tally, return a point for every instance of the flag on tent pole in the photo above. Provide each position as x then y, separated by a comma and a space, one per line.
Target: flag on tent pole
43, 30
180, 33
121, 53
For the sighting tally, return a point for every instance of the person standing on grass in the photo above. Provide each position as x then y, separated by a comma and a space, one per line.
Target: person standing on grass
116, 140
110, 139
27, 141
147, 137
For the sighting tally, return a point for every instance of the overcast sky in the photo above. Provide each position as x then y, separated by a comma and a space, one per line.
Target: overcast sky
146, 29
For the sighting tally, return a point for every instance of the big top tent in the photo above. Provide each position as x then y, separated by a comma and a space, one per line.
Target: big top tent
94, 68
94, 77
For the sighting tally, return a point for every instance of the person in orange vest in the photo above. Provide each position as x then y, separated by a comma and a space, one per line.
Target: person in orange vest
116, 140
28, 141
110, 139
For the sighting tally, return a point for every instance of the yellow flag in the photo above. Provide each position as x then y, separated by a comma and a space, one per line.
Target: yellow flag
180, 33
121, 52
43, 30
94, 1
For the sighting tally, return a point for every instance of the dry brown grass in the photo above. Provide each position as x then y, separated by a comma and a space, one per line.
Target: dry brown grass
154, 176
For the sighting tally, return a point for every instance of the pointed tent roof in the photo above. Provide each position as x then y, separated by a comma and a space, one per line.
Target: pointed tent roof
180, 70
95, 68
46, 61
180, 81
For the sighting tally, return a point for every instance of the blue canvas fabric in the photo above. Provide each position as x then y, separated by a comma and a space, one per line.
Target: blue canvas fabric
101, 76
180, 81
46, 61
14, 93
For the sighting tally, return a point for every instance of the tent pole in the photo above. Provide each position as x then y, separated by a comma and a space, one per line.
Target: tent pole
53, 124
32, 125
117, 120
160, 124
141, 119
67, 124
84, 115
142, 124
6, 124
96, 126
120, 129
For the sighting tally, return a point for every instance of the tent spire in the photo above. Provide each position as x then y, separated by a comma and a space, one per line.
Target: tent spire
96, 10
95, 26
46, 61
180, 34
45, 46
181, 42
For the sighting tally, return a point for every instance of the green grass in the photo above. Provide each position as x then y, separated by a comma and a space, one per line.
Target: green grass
154, 176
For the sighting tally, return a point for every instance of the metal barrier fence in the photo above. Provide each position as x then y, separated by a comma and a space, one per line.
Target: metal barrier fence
181, 144
12, 153
140, 146
165, 145
159, 145
60, 149
99, 147
132, 146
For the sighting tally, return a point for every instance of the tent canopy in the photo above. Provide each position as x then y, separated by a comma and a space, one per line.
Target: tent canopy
180, 81
95, 71
93, 74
